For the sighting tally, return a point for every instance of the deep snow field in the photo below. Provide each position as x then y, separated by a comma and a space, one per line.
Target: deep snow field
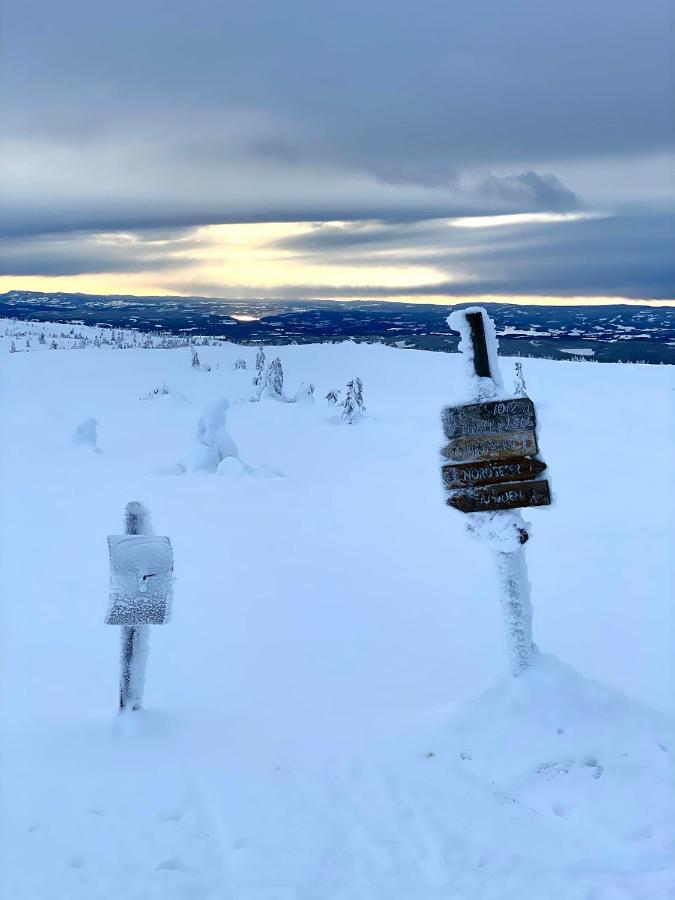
328, 715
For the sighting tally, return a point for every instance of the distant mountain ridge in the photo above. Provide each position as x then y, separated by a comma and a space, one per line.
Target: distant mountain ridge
616, 333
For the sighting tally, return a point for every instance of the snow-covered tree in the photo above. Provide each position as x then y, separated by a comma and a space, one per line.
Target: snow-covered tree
332, 397
240, 363
195, 359
53, 346
86, 434
353, 407
519, 388
42, 339
272, 383
305, 393
12, 349
259, 367
214, 443
27, 344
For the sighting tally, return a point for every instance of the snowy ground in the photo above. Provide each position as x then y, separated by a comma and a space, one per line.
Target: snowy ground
328, 716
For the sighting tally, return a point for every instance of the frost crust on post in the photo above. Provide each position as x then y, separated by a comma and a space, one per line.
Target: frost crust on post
141, 579
514, 596
478, 388
502, 530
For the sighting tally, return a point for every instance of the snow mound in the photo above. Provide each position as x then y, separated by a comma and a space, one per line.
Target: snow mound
571, 749
230, 467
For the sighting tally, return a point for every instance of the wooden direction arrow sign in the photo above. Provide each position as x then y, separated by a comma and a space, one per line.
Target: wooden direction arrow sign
486, 447
463, 475
496, 417
501, 496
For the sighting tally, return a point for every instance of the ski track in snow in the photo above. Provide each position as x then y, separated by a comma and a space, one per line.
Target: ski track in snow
320, 723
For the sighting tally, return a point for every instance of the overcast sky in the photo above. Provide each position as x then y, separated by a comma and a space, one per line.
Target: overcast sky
424, 149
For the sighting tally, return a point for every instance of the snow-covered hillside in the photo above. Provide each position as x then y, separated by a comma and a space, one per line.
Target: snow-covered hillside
328, 715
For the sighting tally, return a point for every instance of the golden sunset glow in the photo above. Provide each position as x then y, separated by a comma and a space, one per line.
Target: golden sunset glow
272, 261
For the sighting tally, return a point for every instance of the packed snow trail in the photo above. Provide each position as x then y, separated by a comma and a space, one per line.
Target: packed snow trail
327, 716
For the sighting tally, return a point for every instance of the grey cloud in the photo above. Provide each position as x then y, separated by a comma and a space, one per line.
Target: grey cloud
531, 191
78, 254
176, 111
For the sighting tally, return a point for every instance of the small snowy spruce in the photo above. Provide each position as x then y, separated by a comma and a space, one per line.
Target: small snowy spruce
353, 407
519, 387
272, 384
332, 397
195, 359
259, 367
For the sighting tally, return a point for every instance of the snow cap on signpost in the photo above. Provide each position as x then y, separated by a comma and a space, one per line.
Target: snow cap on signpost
478, 345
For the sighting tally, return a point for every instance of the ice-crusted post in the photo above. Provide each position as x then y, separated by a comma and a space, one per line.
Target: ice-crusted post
141, 589
505, 531
134, 638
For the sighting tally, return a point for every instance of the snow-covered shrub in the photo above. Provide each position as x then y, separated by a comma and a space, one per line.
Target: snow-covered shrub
240, 363
86, 434
305, 393
332, 397
42, 339
353, 407
53, 346
12, 349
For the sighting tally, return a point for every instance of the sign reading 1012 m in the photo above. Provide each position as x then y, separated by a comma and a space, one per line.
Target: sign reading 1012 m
490, 461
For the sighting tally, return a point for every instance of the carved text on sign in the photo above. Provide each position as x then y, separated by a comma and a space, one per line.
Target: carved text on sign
468, 474
493, 497
496, 417
484, 448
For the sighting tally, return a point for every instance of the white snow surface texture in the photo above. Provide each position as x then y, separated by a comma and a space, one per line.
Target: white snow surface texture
328, 716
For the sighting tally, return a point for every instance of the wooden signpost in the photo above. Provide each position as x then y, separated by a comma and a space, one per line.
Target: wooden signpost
491, 467
141, 589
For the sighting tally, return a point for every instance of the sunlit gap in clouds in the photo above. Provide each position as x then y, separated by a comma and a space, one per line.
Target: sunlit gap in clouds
410, 262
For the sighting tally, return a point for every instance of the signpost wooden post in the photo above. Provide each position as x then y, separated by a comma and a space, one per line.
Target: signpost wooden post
490, 469
141, 586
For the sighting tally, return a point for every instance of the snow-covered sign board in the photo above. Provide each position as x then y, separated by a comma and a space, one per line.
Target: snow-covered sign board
493, 497
485, 447
141, 579
495, 465
464, 475
491, 461
512, 416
